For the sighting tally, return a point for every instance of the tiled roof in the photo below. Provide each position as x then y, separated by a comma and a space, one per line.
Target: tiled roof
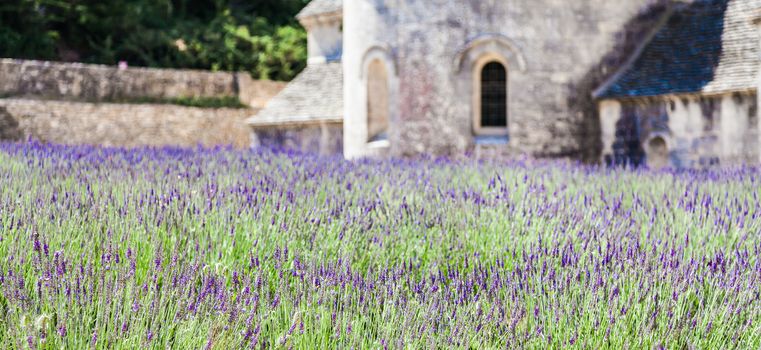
708, 46
318, 7
314, 95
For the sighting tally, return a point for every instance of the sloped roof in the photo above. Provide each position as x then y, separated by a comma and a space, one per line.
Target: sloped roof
314, 95
707, 46
318, 7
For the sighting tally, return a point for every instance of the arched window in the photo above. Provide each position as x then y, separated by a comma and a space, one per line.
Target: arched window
377, 101
490, 100
493, 96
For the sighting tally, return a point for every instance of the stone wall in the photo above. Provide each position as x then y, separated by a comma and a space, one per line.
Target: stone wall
9, 127
126, 125
323, 138
699, 131
557, 53
84, 82
71, 103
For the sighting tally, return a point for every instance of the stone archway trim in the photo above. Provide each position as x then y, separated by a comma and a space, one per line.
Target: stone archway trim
490, 44
378, 51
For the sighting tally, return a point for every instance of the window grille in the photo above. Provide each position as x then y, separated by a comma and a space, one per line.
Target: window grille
493, 96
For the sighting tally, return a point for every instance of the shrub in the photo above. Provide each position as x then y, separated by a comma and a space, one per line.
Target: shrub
260, 38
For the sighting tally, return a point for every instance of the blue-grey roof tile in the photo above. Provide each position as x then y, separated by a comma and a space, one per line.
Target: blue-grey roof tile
708, 46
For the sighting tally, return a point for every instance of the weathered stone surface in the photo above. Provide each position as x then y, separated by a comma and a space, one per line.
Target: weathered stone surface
257, 93
122, 124
698, 131
84, 82
9, 127
325, 138
557, 53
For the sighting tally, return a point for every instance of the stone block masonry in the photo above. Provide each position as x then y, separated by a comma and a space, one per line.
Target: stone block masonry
696, 131
126, 125
85, 82
324, 138
555, 53
9, 127
72, 103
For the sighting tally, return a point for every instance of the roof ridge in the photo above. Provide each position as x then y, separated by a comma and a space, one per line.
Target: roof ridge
320, 7
665, 17
708, 46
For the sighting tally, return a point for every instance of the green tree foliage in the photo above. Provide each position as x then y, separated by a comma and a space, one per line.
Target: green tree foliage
259, 36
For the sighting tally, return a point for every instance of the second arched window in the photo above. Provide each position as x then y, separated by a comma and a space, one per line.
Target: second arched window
377, 101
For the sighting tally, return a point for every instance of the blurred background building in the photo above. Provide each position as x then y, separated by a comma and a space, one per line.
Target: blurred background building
626, 82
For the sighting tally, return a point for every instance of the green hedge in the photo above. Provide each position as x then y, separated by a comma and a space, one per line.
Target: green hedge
261, 36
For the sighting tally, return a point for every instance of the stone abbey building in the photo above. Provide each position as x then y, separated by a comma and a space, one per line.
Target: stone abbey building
657, 82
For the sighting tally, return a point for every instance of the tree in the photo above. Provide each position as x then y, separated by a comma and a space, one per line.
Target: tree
259, 36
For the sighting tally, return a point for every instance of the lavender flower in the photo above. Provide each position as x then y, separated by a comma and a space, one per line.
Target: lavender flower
270, 248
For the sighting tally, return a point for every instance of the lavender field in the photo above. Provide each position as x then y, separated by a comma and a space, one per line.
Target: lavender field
221, 249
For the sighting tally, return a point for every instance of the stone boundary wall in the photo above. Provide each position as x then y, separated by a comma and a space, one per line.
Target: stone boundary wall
127, 125
324, 138
86, 82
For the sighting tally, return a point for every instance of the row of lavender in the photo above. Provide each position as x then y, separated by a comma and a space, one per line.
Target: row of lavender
221, 249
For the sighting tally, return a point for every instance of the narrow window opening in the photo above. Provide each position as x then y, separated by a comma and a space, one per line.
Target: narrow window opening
377, 102
494, 96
